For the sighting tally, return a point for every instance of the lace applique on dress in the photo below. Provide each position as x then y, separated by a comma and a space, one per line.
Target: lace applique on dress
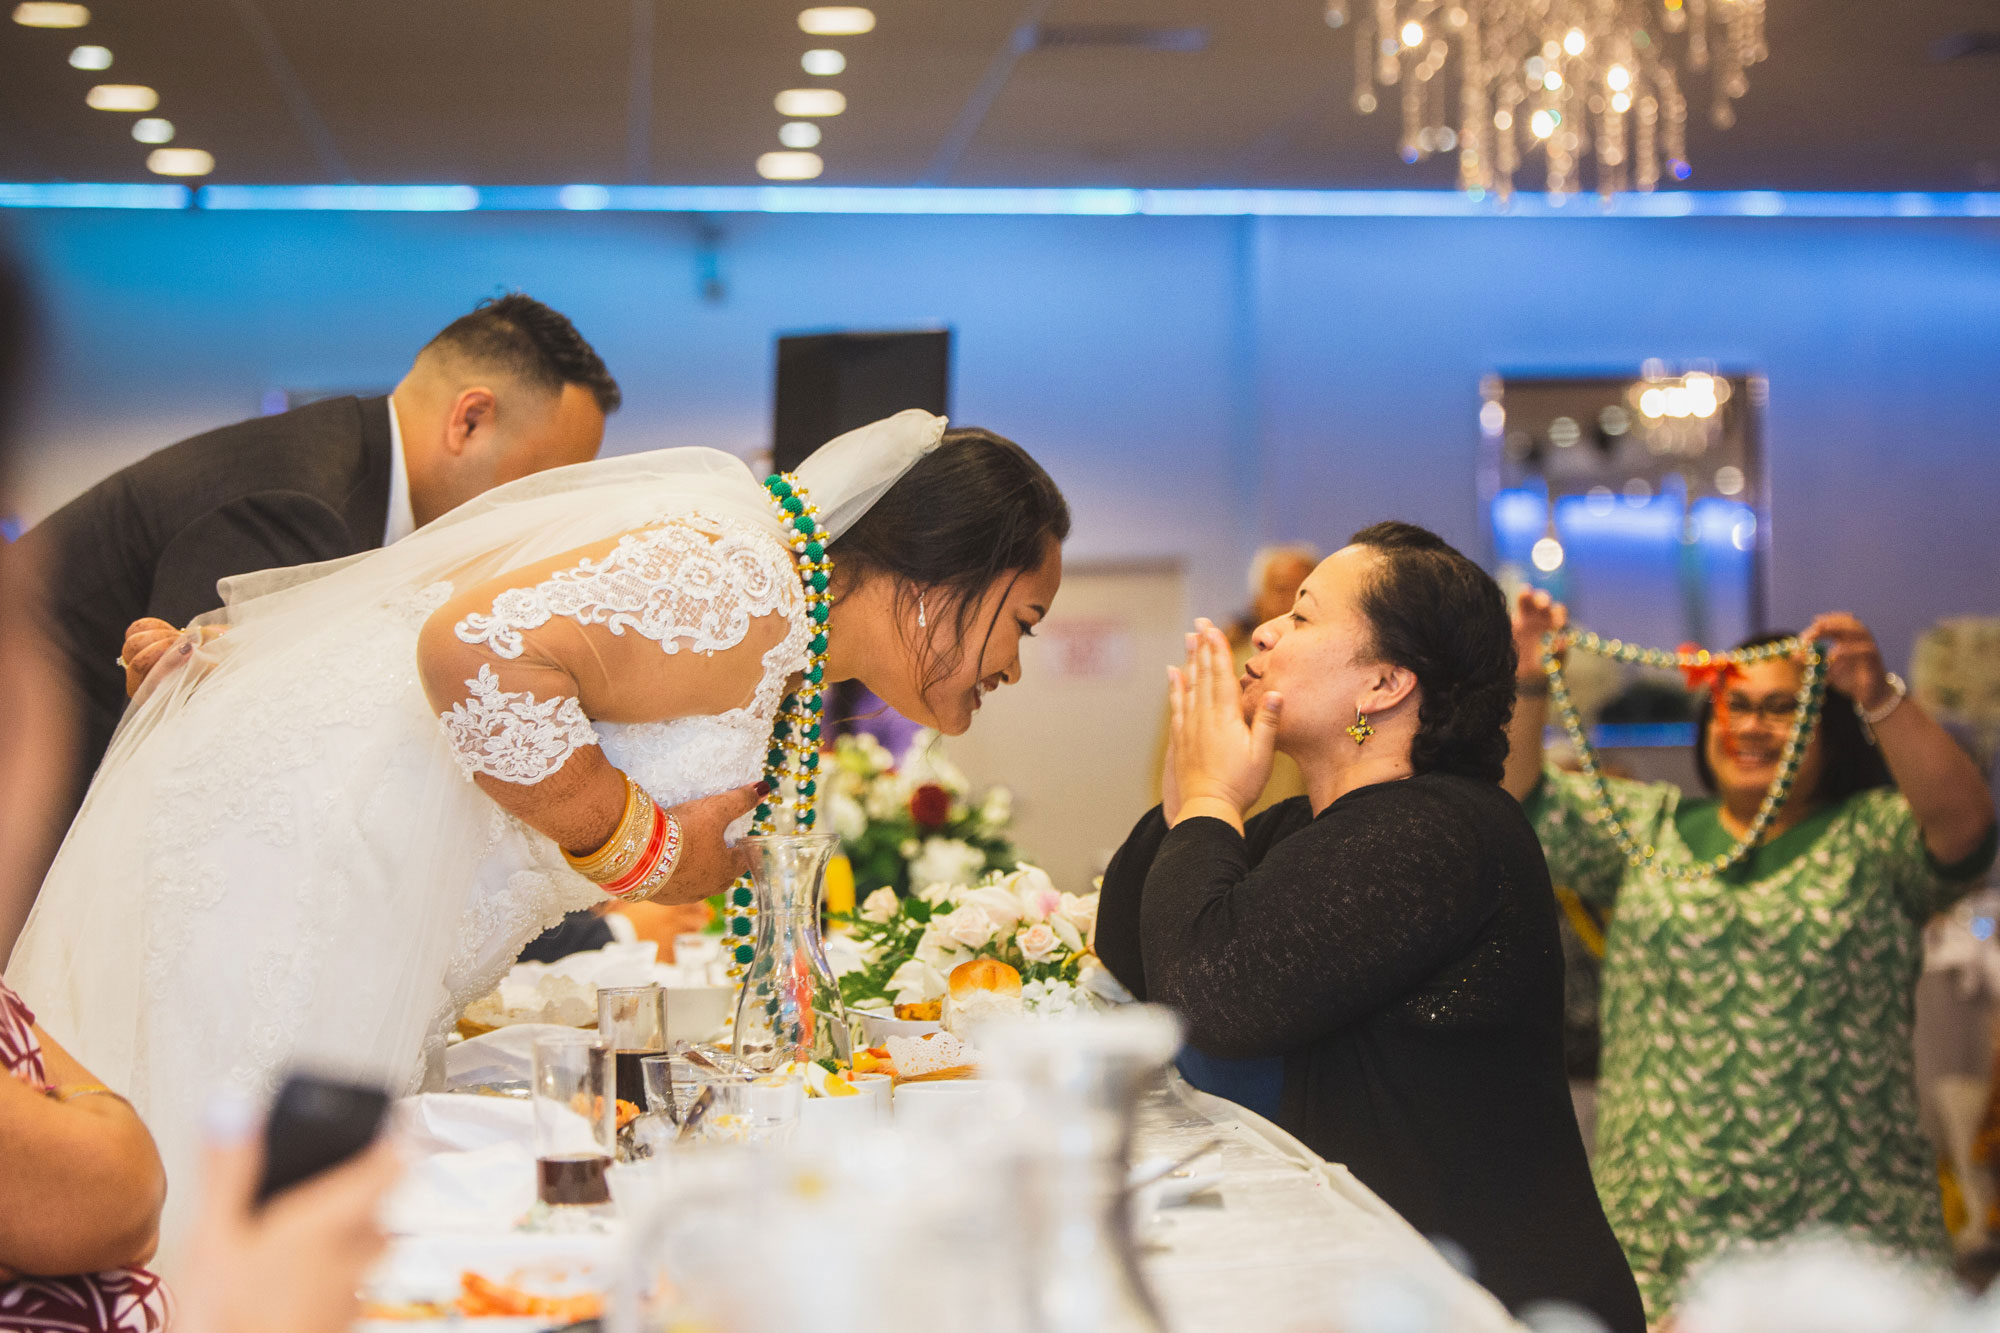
695, 579
512, 737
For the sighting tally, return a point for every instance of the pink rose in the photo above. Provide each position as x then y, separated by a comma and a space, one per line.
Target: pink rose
1038, 942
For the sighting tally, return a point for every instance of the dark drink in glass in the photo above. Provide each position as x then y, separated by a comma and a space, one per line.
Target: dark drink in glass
632, 1081
575, 1179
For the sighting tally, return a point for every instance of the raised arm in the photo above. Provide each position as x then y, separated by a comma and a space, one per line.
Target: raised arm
1535, 614
1946, 792
629, 630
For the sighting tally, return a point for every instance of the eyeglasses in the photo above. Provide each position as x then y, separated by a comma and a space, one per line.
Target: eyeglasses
1777, 709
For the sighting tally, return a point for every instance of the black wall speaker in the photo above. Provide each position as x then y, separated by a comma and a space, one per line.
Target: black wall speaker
829, 383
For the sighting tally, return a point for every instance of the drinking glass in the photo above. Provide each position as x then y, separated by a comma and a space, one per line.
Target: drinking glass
746, 1108
632, 1021
575, 1119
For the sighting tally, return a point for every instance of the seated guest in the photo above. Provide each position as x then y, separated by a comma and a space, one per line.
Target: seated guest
505, 391
1390, 935
81, 1189
1758, 1072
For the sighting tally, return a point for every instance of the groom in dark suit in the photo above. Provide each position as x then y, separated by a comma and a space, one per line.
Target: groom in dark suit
505, 391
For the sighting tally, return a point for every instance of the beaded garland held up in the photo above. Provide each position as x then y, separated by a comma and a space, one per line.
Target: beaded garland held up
1812, 693
795, 735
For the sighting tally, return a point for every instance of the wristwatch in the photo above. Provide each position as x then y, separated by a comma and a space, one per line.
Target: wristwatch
1871, 718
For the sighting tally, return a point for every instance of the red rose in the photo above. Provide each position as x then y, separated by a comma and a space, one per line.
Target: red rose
930, 806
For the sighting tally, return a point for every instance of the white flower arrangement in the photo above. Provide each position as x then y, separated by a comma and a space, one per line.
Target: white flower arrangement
1018, 916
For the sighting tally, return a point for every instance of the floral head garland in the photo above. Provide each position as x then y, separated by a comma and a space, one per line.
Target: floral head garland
1702, 670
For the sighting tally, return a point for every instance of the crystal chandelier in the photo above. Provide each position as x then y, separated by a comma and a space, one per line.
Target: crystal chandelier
1572, 78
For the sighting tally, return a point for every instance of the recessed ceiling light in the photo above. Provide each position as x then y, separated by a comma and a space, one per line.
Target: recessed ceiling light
51, 16
151, 129
179, 162
823, 61
837, 21
91, 57
122, 97
811, 102
798, 134
789, 166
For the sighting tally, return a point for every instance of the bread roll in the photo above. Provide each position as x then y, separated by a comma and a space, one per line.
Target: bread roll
984, 974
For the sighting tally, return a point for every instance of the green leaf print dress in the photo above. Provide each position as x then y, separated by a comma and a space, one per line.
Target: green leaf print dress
1757, 1072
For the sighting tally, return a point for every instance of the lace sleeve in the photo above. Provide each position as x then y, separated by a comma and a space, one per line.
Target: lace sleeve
694, 582
518, 666
508, 735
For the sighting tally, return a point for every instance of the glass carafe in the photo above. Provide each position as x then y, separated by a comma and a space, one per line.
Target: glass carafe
790, 1007
1075, 1087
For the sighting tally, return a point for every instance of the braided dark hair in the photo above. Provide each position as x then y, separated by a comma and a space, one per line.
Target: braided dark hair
974, 508
1432, 611
518, 334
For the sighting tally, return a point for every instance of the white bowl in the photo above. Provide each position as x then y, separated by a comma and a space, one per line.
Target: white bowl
878, 1028
952, 1107
697, 1013
825, 1119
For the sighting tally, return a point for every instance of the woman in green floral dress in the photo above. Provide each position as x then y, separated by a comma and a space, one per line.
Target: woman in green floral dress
1757, 1068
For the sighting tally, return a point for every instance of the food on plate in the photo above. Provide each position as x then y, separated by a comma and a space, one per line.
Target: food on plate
479, 1296
405, 1311
819, 1080
982, 989
873, 1060
936, 1056
546, 998
926, 1011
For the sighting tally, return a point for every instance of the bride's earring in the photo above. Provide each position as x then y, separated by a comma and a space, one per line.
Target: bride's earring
1361, 731
923, 621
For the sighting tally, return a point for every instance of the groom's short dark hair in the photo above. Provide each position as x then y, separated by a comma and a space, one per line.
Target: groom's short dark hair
517, 334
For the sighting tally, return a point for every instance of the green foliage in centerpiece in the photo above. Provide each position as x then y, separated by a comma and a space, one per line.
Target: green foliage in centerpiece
908, 825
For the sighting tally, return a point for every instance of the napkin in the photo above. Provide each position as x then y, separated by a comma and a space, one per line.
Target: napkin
440, 1122
457, 1193
501, 1057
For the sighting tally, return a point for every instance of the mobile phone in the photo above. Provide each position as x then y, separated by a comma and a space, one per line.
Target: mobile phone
315, 1124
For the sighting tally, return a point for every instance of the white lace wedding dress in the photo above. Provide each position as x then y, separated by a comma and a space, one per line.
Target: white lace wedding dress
284, 860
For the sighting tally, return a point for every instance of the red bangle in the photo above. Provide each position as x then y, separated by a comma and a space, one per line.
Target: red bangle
656, 866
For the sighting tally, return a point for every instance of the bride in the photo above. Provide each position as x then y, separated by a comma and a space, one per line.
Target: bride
339, 824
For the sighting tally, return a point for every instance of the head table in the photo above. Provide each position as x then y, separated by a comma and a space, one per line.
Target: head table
1283, 1240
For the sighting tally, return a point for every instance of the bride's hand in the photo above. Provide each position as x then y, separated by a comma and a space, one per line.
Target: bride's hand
1221, 763
707, 866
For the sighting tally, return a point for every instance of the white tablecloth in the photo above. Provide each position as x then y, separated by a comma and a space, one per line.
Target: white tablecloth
1286, 1241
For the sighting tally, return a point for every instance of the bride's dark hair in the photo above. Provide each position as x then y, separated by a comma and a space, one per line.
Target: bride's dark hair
974, 509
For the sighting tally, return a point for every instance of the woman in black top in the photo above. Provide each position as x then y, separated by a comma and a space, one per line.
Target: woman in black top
1391, 935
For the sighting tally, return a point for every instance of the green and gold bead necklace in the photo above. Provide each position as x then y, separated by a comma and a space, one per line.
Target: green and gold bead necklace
1812, 693
792, 765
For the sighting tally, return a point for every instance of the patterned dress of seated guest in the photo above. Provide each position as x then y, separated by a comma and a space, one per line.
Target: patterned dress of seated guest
119, 1300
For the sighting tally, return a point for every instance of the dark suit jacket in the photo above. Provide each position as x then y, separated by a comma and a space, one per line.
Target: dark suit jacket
311, 484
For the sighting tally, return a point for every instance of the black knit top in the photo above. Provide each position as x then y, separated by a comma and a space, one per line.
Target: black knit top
1399, 951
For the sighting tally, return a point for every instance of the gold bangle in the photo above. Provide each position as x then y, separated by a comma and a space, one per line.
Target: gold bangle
621, 851
69, 1092
591, 860
666, 860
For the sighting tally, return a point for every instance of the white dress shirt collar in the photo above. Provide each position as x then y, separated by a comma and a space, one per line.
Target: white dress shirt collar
402, 519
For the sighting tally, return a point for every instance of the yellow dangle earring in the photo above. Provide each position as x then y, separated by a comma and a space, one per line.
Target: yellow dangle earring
1361, 731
